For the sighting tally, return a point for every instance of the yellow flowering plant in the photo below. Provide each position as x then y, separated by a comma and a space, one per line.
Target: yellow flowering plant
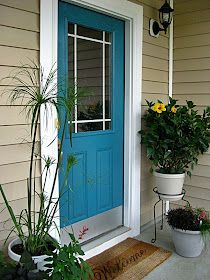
175, 135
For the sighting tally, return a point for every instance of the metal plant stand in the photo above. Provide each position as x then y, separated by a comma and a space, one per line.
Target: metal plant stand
163, 197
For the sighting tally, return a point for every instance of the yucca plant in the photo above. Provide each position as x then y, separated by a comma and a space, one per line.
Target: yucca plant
38, 93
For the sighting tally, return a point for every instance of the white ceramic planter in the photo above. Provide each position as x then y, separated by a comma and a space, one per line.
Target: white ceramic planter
169, 184
38, 260
187, 243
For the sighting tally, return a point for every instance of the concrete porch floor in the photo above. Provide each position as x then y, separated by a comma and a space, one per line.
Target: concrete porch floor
176, 267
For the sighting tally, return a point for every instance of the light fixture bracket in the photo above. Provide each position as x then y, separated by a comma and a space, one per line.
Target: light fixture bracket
154, 28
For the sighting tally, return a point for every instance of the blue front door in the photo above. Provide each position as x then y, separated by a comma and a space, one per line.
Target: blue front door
91, 54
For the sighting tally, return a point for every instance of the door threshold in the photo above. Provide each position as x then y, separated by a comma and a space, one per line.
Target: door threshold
103, 242
86, 242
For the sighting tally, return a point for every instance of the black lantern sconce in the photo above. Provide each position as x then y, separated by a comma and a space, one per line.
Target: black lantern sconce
165, 17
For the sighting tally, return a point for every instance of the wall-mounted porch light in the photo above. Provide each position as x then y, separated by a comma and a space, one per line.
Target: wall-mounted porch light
165, 17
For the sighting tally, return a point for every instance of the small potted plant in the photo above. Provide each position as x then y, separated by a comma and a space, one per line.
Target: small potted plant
174, 137
67, 263
190, 227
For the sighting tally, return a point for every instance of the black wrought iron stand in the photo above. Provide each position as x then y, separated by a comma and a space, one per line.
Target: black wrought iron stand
163, 197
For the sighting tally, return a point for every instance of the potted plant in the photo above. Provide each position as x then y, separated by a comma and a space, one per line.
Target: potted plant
37, 92
68, 264
64, 264
190, 227
22, 270
174, 137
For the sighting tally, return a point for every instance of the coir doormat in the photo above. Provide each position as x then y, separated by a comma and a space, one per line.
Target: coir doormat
130, 259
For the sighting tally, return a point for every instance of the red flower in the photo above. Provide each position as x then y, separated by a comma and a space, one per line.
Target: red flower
202, 215
82, 232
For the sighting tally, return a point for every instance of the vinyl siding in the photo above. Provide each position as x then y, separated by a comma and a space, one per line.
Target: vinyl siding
154, 86
192, 80
19, 41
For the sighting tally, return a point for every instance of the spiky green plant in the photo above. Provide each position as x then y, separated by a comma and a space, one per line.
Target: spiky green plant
37, 93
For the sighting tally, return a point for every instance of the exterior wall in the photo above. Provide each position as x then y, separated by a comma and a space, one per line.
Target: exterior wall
155, 86
19, 40
192, 79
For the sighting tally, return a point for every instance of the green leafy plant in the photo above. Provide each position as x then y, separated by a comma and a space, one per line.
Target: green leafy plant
24, 270
41, 94
174, 135
190, 219
67, 263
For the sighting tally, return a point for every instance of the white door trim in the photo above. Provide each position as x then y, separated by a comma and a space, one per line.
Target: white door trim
133, 16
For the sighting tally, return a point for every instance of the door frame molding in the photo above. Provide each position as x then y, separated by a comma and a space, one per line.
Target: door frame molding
132, 14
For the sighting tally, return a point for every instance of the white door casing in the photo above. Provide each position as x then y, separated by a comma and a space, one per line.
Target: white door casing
132, 14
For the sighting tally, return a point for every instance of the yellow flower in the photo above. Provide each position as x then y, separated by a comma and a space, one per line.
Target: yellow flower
173, 109
159, 107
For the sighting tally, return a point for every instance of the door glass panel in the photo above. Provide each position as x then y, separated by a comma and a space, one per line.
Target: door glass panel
71, 58
71, 28
108, 75
90, 70
92, 126
89, 74
108, 37
89, 32
108, 125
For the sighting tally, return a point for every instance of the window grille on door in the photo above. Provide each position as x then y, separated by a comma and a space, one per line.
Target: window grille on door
90, 68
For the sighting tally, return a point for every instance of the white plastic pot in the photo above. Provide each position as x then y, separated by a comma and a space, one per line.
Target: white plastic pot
187, 243
169, 184
38, 260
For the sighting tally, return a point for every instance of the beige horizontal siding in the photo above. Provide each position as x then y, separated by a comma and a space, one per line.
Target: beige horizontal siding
198, 99
18, 38
200, 64
16, 18
192, 76
15, 134
155, 51
191, 29
194, 202
195, 88
25, 5
154, 98
11, 56
161, 42
5, 97
192, 81
154, 86
192, 41
191, 52
150, 62
12, 115
17, 206
12, 190
204, 159
16, 171
155, 75
22, 152
181, 6
192, 17
197, 192
19, 42
199, 181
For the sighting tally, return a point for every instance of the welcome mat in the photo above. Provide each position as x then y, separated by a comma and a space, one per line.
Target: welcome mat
130, 259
